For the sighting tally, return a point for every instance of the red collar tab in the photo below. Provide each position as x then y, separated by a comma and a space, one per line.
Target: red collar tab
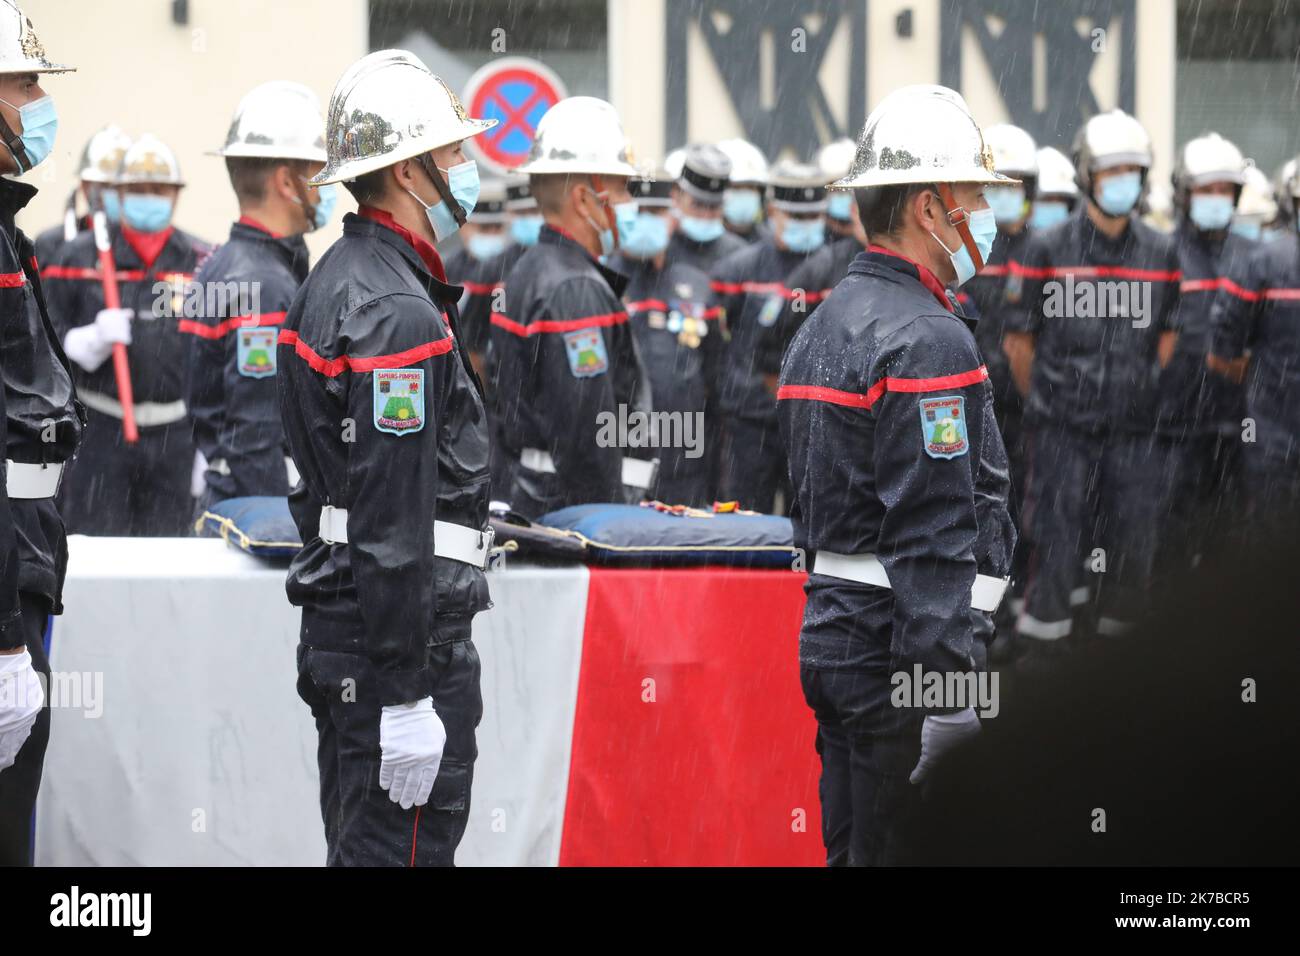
928, 278
147, 245
254, 224
423, 248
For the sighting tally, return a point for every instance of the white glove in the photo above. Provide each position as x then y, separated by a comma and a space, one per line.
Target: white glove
198, 478
114, 325
411, 738
21, 700
940, 734
90, 345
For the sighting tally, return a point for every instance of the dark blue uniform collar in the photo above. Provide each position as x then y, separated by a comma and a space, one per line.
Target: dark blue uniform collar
877, 259
292, 249
14, 195
554, 236
440, 291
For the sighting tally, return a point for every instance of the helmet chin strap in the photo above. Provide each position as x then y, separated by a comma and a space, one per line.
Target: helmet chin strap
14, 143
959, 219
443, 190
598, 183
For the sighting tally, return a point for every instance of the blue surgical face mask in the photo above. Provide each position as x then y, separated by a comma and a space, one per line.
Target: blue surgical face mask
803, 235
741, 207
1249, 228
701, 230
1117, 195
486, 245
146, 213
1211, 213
525, 229
840, 206
1007, 203
112, 206
1048, 213
40, 124
326, 198
624, 219
649, 236
462, 180
983, 229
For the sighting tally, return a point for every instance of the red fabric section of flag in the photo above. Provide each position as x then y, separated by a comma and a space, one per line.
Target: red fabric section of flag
720, 769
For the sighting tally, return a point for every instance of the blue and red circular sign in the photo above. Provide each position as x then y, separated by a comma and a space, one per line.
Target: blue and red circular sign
516, 92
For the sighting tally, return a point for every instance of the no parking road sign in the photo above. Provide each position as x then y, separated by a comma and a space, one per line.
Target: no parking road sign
516, 91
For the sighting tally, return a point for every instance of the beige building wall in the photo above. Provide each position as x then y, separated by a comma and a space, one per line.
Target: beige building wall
636, 40
137, 68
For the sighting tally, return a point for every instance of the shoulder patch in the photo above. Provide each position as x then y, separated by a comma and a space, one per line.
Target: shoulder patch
585, 350
255, 352
399, 400
943, 426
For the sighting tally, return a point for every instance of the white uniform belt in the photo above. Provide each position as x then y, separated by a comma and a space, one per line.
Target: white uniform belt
147, 414
985, 595
24, 480
637, 472
455, 542
222, 467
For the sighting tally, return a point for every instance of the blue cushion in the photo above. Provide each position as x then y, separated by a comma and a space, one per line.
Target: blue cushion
259, 525
632, 534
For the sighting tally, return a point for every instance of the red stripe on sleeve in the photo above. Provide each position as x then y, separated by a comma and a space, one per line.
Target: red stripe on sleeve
555, 325
346, 363
482, 288
1285, 294
644, 305
835, 396
12, 280
221, 329
502, 321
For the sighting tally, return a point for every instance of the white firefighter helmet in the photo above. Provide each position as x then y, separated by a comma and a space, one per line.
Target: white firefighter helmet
388, 107
1014, 151
1055, 174
20, 50
1256, 195
836, 159
1291, 177
748, 165
580, 134
921, 134
102, 158
1108, 140
674, 162
150, 160
277, 120
1208, 159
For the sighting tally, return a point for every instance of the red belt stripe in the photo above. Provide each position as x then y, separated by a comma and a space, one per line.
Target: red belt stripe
551, 325
763, 288
835, 396
221, 329
347, 363
1093, 272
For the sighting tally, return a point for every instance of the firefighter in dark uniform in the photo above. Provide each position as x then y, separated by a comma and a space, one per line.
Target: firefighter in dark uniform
751, 288
1095, 305
812, 280
742, 201
43, 425
899, 474
385, 421
701, 239
835, 160
1015, 155
525, 218
100, 161
275, 144
678, 332
115, 488
567, 356
1201, 411
1056, 193
1256, 340
480, 267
